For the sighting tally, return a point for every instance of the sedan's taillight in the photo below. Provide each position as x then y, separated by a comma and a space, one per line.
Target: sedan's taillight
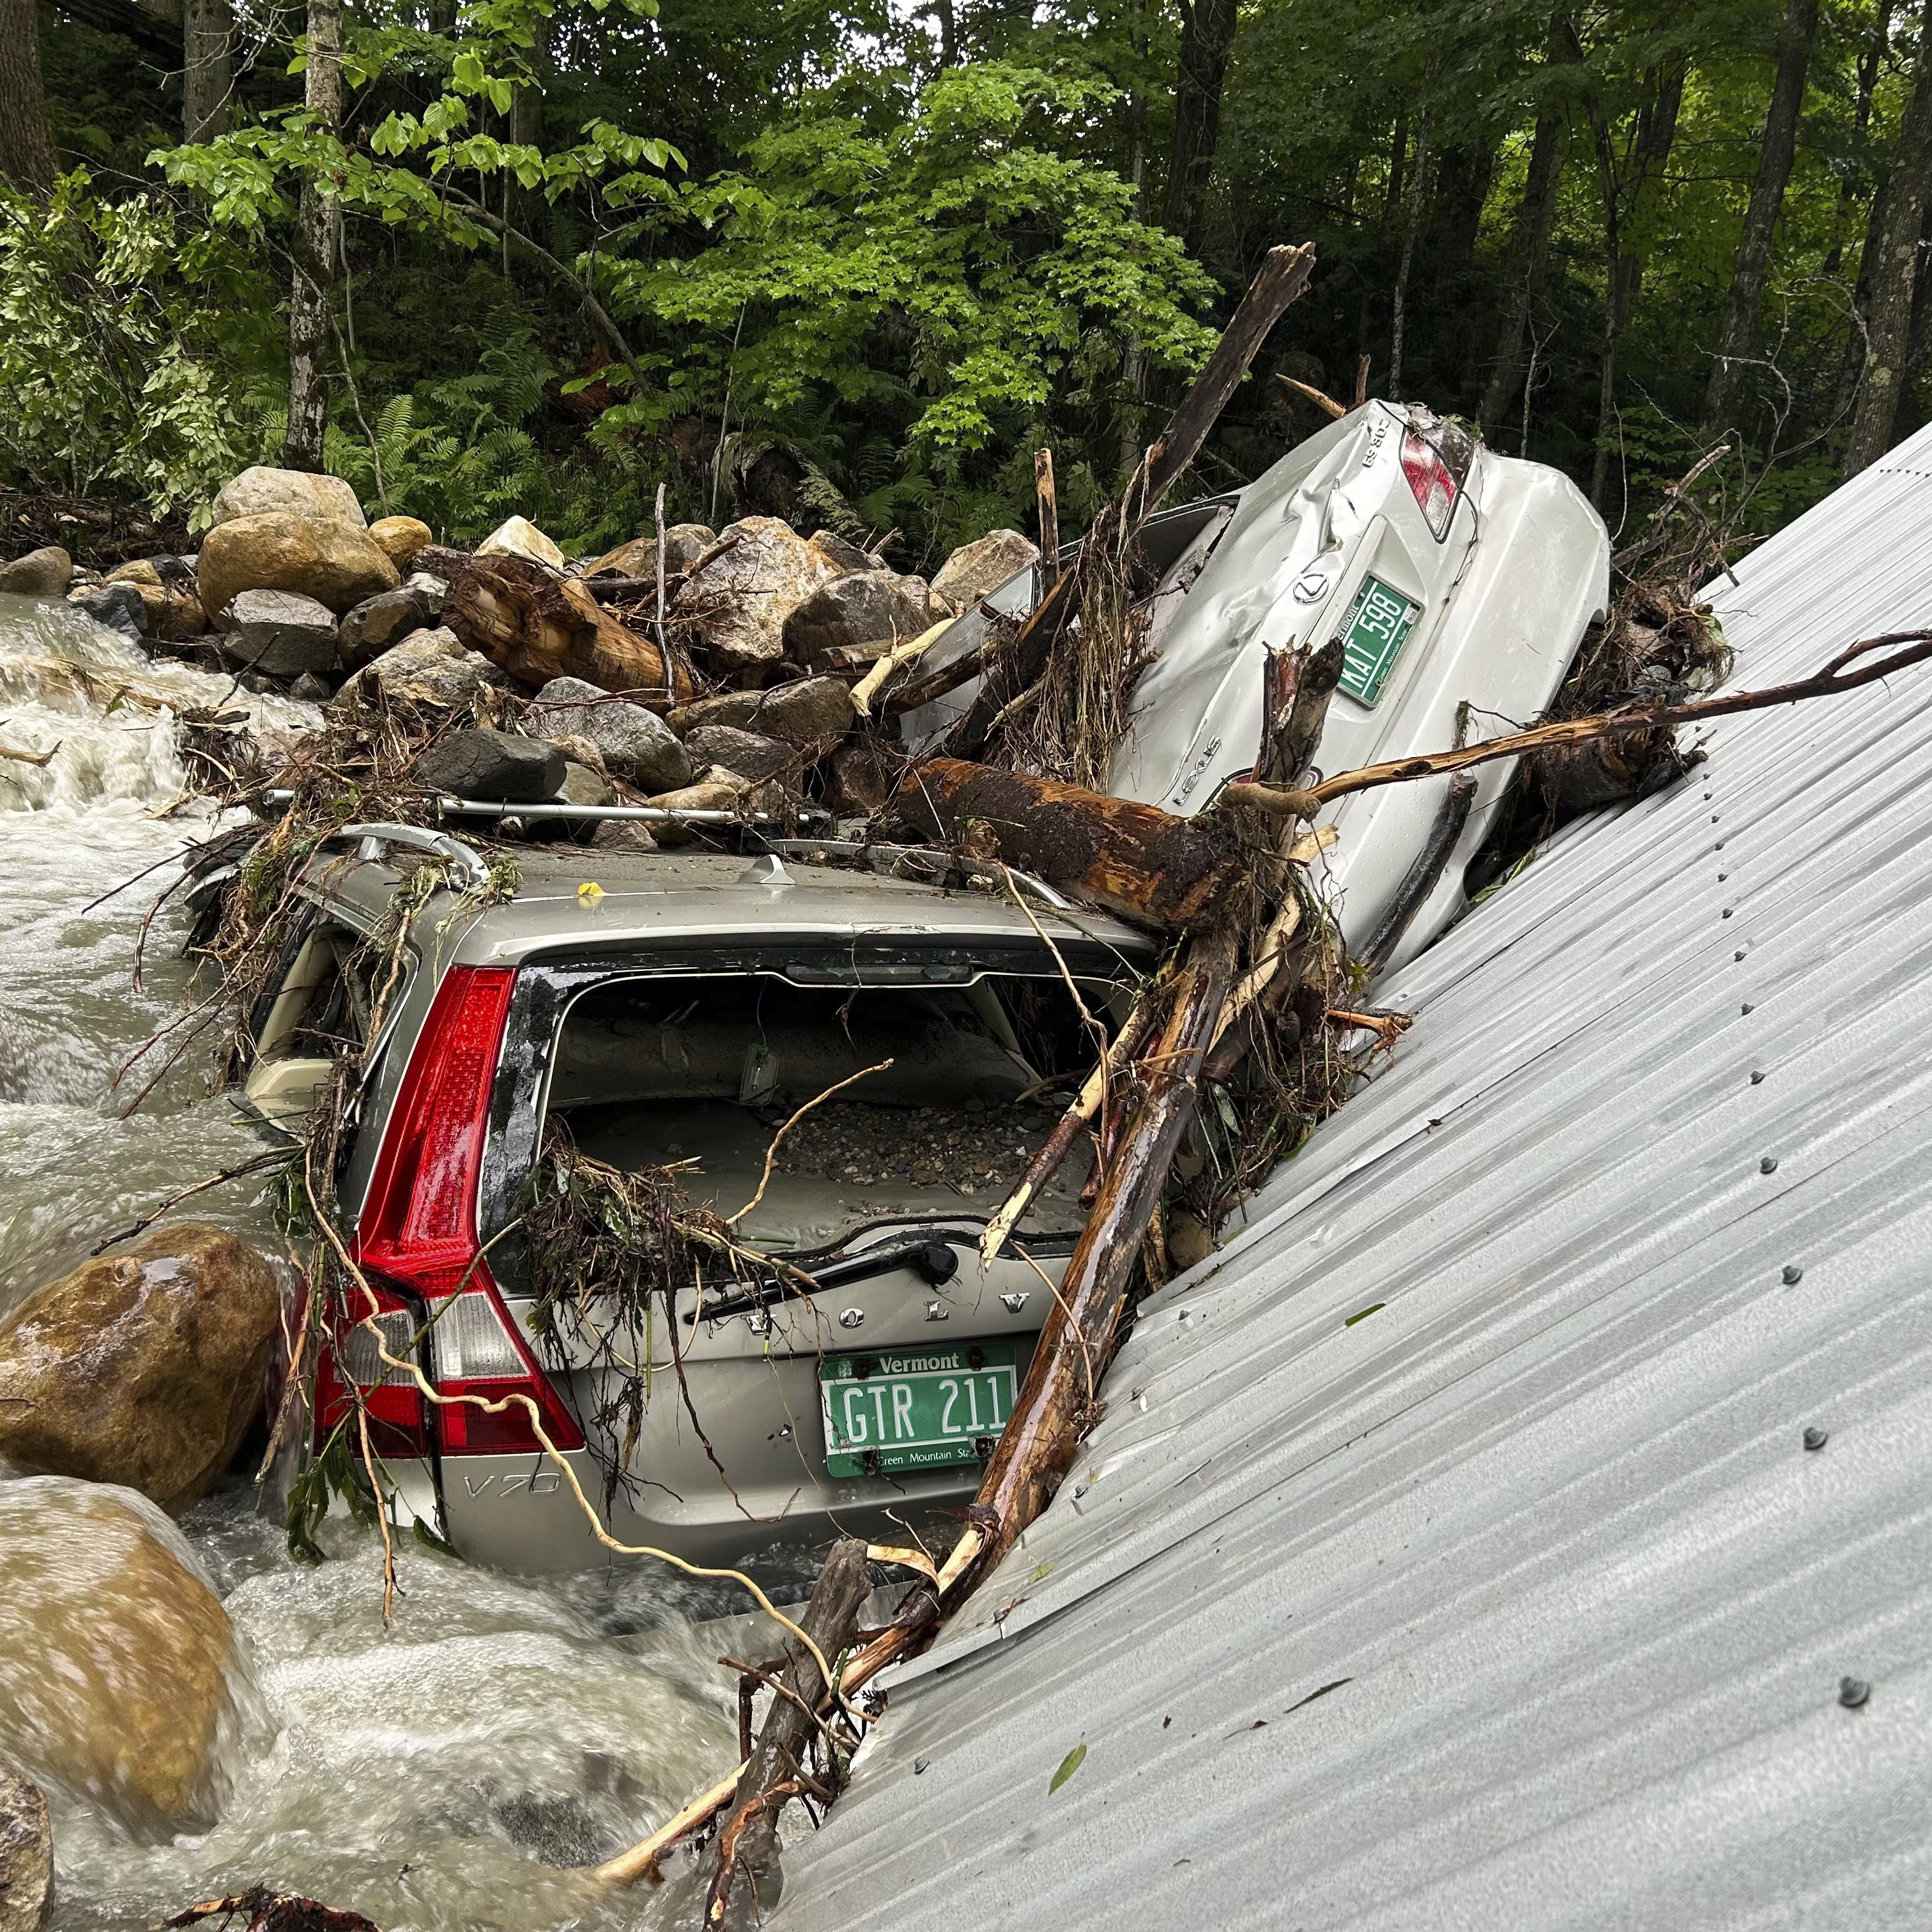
419, 1242
1429, 478
349, 1365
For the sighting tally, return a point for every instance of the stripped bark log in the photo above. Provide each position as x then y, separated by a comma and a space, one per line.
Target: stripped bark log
1134, 860
1284, 275
536, 626
748, 1843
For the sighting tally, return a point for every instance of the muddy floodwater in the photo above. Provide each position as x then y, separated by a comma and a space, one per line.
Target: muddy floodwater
448, 1772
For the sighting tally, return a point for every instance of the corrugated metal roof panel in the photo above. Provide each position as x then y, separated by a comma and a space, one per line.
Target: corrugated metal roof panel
1518, 1601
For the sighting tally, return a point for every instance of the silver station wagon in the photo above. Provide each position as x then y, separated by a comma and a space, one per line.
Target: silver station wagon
682, 1013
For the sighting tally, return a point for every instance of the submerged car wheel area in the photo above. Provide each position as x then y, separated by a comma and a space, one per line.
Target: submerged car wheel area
851, 1369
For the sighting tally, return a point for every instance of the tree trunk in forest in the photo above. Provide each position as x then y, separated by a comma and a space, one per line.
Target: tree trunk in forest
208, 68
1535, 217
318, 221
1894, 275
1767, 198
1207, 34
528, 210
26, 149
1399, 305
1626, 202
1133, 359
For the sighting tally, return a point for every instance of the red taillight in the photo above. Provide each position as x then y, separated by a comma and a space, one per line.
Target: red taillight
1430, 478
419, 1227
351, 1358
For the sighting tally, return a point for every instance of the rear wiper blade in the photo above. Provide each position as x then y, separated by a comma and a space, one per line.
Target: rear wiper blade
934, 1262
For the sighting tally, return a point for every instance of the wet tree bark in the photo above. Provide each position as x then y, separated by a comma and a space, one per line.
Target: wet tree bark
26, 147
208, 68
1535, 218
1134, 860
318, 228
1888, 331
1767, 198
745, 1878
1206, 35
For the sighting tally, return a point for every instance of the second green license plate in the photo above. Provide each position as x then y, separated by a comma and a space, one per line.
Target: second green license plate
1379, 622
915, 1408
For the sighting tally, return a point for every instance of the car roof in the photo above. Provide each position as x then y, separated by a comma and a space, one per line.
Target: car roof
667, 897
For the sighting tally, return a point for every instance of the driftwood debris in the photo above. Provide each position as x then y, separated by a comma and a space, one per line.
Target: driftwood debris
744, 1877
536, 626
1134, 860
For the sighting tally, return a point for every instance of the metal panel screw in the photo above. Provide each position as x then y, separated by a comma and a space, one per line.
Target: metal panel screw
1852, 1691
1757, 1077
1747, 1007
1737, 956
1722, 877
1727, 912
1767, 1166
1815, 1438
1793, 1274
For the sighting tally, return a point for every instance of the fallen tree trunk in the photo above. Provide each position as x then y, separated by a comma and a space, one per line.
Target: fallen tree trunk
747, 1847
536, 626
1134, 860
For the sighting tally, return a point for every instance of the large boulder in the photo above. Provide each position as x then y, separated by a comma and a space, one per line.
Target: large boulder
805, 711
864, 607
975, 568
739, 593
278, 633
842, 553
724, 793
327, 499
684, 545
144, 1367
119, 1680
518, 536
399, 538
378, 621
751, 756
45, 572
26, 1855
335, 563
433, 668
635, 744
493, 765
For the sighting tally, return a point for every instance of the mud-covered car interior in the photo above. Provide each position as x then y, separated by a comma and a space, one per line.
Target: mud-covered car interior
952, 1088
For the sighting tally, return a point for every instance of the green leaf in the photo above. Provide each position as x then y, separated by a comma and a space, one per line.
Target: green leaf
1069, 1764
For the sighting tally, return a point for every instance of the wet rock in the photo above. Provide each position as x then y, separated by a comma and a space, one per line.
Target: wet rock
582, 785
684, 545
294, 492
173, 612
738, 594
624, 834
1188, 1240
975, 568
279, 634
493, 765
635, 744
430, 588
309, 688
378, 621
399, 538
715, 793
142, 570
433, 668
746, 753
518, 536
144, 1367
805, 712
26, 1855
120, 607
45, 572
118, 1679
864, 608
860, 774
843, 554
334, 563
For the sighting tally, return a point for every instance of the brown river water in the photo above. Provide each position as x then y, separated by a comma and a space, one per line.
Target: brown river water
448, 1772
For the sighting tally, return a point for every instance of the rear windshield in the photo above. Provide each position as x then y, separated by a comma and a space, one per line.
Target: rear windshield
951, 1089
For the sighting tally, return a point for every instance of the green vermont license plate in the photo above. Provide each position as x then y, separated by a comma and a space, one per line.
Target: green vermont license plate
1379, 622
915, 1408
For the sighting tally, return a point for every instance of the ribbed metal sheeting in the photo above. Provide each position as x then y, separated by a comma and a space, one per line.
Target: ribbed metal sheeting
1520, 1601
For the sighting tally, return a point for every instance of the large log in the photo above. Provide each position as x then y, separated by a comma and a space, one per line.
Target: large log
1134, 859
536, 626
745, 1873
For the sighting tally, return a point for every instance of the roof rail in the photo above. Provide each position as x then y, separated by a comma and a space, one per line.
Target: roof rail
469, 870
